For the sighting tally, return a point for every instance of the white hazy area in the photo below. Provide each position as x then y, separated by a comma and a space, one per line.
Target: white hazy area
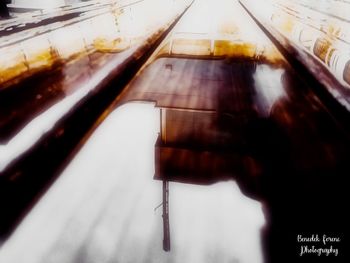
101, 208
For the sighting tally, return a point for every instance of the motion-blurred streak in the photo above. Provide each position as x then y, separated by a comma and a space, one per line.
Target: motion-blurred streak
109, 27
319, 30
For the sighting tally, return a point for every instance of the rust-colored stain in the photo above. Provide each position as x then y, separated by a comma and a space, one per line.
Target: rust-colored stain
12, 64
25, 66
206, 48
41, 60
234, 49
187, 46
12, 72
321, 48
111, 45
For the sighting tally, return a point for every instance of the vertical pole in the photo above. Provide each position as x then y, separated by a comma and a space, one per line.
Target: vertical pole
166, 227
